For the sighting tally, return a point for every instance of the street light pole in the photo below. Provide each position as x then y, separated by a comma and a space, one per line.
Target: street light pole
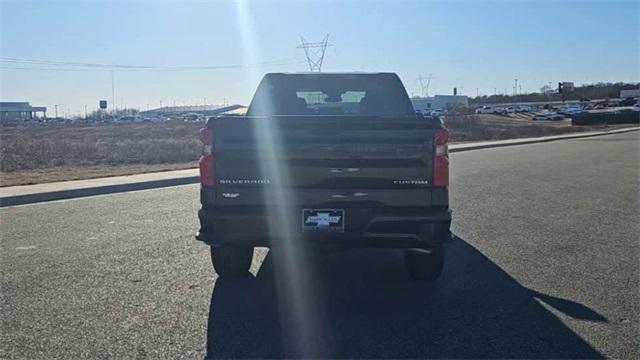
113, 92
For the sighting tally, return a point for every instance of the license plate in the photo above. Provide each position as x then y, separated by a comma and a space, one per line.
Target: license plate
323, 220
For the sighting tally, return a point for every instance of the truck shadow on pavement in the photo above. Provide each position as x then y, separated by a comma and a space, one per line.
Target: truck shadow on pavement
364, 306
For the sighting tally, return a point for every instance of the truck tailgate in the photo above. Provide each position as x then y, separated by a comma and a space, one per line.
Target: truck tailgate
325, 159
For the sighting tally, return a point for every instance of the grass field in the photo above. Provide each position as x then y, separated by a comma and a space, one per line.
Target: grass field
512, 126
38, 154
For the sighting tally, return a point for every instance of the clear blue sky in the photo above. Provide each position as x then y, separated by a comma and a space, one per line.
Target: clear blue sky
479, 44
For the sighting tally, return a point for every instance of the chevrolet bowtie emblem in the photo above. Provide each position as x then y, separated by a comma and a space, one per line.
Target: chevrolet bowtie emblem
323, 219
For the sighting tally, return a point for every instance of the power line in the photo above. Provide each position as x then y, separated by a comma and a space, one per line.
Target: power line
110, 66
49, 65
44, 69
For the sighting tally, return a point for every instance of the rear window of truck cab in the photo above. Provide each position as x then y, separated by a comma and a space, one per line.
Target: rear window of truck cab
331, 94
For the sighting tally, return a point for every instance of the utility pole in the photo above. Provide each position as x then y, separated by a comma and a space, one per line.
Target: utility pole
113, 93
515, 87
495, 91
56, 106
477, 92
425, 88
315, 52
161, 104
85, 111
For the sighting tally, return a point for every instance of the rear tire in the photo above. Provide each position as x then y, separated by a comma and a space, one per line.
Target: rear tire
424, 265
231, 260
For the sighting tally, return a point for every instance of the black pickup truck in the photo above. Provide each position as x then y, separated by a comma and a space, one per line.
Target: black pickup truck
338, 159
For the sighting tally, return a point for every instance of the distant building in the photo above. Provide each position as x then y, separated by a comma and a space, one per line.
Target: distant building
633, 93
192, 109
20, 111
439, 102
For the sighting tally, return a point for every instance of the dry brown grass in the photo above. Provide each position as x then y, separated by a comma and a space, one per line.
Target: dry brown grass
495, 127
37, 154
43, 147
66, 173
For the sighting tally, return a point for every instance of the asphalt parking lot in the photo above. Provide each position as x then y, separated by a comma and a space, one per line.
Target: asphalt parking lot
544, 265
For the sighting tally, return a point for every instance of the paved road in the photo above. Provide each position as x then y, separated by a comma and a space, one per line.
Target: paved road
545, 264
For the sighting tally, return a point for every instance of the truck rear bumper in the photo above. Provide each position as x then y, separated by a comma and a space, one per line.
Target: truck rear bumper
386, 227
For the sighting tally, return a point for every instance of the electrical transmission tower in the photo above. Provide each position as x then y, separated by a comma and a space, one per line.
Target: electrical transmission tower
315, 52
423, 86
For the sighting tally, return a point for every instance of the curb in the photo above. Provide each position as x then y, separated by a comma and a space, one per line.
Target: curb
502, 143
98, 190
154, 184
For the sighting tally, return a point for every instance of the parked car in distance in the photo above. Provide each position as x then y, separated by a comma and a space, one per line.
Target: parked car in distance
547, 116
634, 107
510, 109
571, 111
428, 113
193, 117
489, 110
129, 118
627, 102
524, 108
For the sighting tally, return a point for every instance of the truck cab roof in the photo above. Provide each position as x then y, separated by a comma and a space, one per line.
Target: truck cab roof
330, 73
351, 93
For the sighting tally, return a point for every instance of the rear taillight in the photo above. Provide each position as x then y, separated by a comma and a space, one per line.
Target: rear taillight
440, 158
206, 160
